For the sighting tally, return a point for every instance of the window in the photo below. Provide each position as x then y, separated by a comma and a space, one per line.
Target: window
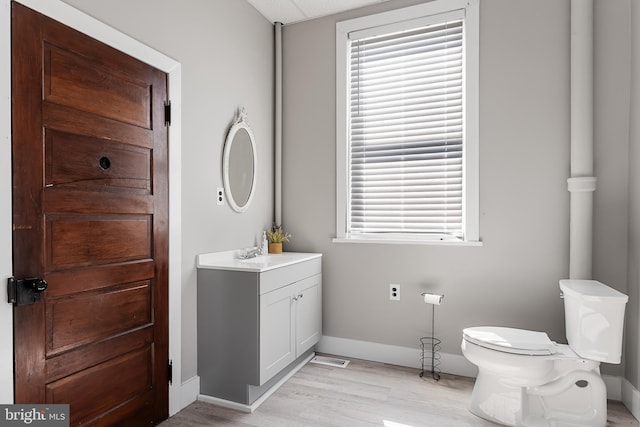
407, 125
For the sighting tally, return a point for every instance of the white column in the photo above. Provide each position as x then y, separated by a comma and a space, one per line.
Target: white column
582, 183
581, 226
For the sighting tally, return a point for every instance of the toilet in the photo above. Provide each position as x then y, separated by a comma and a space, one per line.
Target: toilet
525, 379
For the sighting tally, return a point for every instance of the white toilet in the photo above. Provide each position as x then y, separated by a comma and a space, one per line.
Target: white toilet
525, 379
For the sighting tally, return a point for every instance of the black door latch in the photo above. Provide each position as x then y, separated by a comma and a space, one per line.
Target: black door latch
25, 291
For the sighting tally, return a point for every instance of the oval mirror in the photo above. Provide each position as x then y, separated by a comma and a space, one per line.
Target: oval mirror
239, 164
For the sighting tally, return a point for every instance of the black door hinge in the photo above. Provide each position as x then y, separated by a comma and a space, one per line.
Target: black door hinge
167, 113
170, 372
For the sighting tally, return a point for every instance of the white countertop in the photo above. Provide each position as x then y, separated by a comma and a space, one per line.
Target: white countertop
229, 260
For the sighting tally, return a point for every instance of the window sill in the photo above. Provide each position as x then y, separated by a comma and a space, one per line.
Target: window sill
401, 241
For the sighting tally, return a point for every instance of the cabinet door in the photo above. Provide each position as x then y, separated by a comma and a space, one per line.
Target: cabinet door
308, 313
277, 348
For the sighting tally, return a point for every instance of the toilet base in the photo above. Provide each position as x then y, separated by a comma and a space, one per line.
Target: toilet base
494, 400
577, 399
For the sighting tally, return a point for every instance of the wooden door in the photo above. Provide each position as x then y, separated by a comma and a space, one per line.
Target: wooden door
90, 214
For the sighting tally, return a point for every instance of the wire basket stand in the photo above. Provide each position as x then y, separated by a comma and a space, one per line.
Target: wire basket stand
430, 354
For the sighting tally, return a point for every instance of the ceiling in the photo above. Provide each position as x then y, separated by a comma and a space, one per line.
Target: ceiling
290, 11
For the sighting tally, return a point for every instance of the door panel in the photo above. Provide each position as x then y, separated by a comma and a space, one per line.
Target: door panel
92, 164
63, 283
90, 200
308, 310
277, 347
128, 376
93, 316
67, 119
95, 240
75, 81
88, 356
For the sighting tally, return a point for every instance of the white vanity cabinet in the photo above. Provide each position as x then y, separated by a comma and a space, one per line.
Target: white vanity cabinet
257, 319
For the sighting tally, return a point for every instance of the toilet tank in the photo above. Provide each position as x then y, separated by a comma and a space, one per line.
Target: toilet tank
594, 319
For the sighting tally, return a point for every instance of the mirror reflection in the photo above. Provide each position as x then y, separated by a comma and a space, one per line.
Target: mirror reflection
241, 167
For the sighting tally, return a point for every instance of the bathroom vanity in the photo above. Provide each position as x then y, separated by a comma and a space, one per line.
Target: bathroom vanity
258, 319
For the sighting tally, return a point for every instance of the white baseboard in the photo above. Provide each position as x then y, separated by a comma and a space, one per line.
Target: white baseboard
631, 398
226, 403
394, 355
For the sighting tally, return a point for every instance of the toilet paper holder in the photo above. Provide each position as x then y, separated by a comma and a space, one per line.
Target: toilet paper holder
430, 344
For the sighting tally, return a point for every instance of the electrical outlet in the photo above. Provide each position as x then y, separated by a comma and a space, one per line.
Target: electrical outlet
220, 196
394, 292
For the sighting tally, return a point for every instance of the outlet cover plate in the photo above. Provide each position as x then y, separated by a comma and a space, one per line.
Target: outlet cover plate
394, 292
220, 196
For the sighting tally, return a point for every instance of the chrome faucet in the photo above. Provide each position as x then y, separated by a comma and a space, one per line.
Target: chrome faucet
251, 253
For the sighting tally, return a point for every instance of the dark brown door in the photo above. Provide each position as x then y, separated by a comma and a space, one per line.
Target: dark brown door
90, 214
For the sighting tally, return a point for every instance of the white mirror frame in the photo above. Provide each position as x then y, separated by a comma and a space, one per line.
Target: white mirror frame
239, 123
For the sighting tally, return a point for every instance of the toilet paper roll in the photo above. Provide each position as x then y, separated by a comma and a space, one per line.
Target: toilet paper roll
433, 299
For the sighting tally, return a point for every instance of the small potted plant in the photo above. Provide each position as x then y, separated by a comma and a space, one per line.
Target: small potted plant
276, 236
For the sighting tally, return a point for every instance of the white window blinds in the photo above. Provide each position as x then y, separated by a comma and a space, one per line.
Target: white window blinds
405, 132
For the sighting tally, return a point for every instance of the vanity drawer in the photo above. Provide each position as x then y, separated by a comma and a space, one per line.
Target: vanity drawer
279, 277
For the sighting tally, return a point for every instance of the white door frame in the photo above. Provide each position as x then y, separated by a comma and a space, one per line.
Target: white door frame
72, 17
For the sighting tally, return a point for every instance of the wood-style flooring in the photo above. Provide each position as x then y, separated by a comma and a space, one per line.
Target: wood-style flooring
362, 394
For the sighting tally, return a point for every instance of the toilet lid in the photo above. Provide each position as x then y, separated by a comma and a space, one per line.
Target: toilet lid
509, 340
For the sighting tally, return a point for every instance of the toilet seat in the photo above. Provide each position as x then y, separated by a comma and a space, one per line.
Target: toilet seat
510, 340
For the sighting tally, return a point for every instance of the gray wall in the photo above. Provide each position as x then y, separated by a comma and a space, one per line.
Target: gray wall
633, 315
226, 51
512, 279
611, 151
